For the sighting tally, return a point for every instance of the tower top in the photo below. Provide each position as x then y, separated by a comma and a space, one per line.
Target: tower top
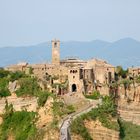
56, 52
55, 40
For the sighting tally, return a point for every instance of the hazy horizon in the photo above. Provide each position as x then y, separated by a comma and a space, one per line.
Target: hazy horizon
31, 22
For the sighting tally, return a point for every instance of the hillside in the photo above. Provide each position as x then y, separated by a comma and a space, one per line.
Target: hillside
123, 52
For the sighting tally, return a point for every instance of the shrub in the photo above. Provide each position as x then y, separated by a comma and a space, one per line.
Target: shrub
121, 72
95, 95
20, 124
42, 98
17, 75
3, 73
28, 86
60, 109
129, 131
4, 91
78, 127
104, 113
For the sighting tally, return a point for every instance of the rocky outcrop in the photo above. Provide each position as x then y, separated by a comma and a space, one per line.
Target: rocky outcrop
13, 86
129, 103
98, 132
46, 119
45, 114
129, 111
19, 103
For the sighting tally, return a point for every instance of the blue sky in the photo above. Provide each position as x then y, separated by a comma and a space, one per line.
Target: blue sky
26, 22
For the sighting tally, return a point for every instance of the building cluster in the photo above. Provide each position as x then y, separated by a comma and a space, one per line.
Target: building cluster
81, 76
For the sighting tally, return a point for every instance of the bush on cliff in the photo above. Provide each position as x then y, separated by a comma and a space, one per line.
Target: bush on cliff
95, 95
129, 131
20, 125
28, 86
78, 127
4, 91
3, 73
104, 113
16, 75
60, 109
42, 98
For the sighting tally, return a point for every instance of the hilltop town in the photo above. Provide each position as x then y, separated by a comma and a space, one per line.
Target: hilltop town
74, 99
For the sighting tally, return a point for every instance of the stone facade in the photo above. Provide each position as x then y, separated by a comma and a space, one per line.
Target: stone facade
81, 75
134, 71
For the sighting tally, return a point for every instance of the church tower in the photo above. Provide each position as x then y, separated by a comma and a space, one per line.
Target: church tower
55, 52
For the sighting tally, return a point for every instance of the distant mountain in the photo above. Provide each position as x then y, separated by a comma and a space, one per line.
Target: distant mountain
123, 52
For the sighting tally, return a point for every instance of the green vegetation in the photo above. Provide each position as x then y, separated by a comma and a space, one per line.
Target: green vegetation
42, 98
4, 91
30, 70
28, 86
20, 125
95, 95
62, 85
16, 75
78, 127
129, 131
60, 109
104, 113
121, 72
5, 77
138, 79
3, 73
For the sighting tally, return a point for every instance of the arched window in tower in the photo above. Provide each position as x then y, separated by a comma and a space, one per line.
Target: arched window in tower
55, 44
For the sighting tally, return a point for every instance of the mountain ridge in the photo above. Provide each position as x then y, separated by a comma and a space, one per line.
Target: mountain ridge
123, 52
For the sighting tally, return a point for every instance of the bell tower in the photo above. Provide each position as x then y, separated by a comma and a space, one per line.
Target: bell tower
55, 52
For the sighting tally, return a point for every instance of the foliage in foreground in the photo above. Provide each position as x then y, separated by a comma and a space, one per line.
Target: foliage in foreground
20, 125
129, 131
104, 113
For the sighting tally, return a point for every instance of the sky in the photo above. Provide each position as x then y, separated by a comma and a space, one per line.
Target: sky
28, 22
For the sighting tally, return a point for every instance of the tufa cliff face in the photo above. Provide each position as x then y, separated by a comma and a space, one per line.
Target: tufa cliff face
129, 103
98, 132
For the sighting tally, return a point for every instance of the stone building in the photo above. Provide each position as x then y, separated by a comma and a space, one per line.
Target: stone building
134, 71
75, 77
18, 67
81, 75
